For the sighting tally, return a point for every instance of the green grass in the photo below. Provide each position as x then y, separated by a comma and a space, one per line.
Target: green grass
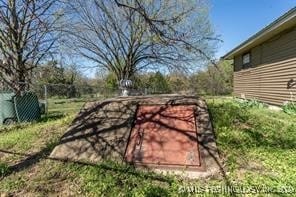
256, 144
65, 106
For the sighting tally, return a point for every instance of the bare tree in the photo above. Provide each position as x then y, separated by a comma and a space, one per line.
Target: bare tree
125, 37
27, 36
160, 25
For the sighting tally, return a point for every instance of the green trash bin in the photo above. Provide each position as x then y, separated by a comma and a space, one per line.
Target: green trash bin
27, 107
7, 108
19, 108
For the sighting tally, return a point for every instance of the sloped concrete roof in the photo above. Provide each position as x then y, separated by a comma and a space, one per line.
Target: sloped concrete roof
101, 131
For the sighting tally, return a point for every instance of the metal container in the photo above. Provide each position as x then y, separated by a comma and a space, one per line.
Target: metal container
19, 108
7, 109
27, 107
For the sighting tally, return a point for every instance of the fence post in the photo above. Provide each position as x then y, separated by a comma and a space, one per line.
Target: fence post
45, 98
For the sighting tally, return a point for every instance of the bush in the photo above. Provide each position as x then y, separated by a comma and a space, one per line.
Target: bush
290, 108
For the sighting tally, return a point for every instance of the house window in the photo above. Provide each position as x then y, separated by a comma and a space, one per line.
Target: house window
246, 59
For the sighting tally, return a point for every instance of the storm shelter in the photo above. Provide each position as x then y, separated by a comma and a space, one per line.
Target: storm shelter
168, 133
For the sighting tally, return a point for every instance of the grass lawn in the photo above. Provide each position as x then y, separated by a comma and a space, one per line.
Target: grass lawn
68, 106
257, 145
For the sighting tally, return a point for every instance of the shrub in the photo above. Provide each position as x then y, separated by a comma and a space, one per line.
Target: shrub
290, 108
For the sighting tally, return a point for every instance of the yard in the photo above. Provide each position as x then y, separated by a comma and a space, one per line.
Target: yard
257, 145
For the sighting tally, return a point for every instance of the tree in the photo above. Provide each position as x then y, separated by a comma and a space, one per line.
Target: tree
60, 80
27, 36
128, 36
110, 81
52, 72
215, 80
158, 83
179, 82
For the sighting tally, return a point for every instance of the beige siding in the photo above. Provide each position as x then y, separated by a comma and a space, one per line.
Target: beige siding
267, 82
273, 66
280, 47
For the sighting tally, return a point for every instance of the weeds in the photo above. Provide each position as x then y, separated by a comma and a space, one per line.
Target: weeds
290, 108
258, 144
4, 169
252, 103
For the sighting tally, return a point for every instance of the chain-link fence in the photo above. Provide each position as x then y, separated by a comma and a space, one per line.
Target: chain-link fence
32, 101
70, 98
54, 100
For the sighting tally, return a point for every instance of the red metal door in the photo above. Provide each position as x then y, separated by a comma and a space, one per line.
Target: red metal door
164, 135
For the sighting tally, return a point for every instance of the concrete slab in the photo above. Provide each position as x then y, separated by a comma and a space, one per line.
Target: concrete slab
101, 131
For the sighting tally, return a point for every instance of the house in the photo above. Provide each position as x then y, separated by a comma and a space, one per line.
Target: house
265, 64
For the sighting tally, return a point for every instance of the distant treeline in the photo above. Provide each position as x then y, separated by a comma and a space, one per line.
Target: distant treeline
69, 82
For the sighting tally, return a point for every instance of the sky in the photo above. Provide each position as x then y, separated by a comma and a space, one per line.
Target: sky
237, 20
